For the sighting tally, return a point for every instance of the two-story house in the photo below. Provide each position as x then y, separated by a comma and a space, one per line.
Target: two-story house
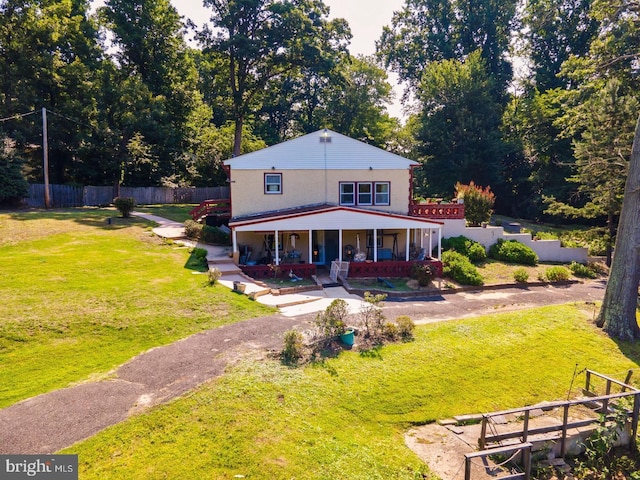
324, 197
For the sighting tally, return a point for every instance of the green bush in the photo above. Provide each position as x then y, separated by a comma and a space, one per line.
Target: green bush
580, 270
192, 229
467, 247
332, 322
214, 235
459, 268
293, 347
13, 186
557, 274
521, 275
125, 205
512, 251
405, 327
390, 331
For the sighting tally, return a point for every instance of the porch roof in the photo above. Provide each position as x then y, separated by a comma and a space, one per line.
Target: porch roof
328, 217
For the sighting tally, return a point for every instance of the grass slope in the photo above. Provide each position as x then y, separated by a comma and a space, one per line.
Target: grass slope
79, 297
345, 418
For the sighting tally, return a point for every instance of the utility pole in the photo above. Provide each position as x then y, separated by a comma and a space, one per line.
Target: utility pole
45, 154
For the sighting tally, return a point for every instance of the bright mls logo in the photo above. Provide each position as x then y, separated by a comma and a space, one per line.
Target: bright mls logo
43, 467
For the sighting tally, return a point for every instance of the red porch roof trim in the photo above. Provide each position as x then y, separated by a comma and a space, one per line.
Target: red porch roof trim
307, 211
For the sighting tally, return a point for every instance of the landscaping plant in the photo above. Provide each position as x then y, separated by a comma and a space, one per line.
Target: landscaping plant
557, 274
512, 251
125, 205
478, 203
471, 249
459, 268
521, 275
293, 347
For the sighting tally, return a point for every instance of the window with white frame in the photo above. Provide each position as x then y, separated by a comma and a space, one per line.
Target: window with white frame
365, 193
348, 193
382, 193
273, 183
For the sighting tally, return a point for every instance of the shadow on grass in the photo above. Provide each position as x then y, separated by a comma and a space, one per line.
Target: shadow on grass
104, 218
196, 263
374, 352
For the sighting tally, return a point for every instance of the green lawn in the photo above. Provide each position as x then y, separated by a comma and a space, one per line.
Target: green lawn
79, 296
345, 418
177, 213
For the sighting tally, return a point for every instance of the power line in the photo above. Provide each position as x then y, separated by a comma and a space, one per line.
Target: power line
18, 115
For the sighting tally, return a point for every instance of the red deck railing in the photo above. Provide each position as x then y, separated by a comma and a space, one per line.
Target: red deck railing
437, 211
391, 269
220, 207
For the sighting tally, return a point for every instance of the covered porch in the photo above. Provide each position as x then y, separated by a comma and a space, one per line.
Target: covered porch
374, 243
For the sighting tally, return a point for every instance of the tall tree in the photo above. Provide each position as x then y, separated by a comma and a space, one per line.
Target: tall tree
427, 31
459, 130
617, 314
265, 39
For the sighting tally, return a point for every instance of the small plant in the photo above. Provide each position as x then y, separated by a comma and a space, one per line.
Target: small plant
405, 328
192, 229
557, 274
422, 273
293, 347
512, 251
371, 314
214, 275
125, 205
390, 331
459, 268
521, 275
332, 322
580, 270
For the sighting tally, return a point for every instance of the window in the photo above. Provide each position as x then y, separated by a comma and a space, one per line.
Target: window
382, 193
273, 183
347, 194
365, 195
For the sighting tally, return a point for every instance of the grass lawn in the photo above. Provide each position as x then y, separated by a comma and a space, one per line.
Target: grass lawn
79, 297
345, 418
177, 213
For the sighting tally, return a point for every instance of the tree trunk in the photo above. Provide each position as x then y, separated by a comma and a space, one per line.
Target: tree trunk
618, 313
237, 137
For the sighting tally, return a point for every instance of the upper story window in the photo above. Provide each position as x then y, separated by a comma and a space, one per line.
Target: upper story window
347, 193
365, 193
382, 193
273, 183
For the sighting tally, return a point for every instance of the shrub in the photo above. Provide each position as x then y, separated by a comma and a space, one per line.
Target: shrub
580, 270
125, 205
422, 273
557, 274
467, 247
390, 331
192, 229
332, 322
459, 268
599, 267
214, 235
13, 186
512, 251
478, 202
214, 275
521, 275
293, 347
371, 314
405, 327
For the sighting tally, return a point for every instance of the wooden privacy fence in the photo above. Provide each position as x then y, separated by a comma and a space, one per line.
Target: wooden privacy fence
76, 196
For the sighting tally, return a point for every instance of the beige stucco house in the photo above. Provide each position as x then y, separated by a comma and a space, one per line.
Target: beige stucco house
324, 197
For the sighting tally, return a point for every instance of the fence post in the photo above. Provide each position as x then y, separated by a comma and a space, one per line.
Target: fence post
483, 433
565, 420
526, 462
467, 468
525, 427
634, 418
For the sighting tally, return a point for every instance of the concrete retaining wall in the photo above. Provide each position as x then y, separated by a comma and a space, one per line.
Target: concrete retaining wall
547, 250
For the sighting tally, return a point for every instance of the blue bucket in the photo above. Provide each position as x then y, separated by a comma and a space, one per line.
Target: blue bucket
348, 337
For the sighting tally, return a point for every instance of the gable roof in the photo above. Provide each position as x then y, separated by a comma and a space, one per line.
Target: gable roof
310, 152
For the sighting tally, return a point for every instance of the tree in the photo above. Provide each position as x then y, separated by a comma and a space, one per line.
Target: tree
427, 31
617, 314
459, 131
265, 39
13, 186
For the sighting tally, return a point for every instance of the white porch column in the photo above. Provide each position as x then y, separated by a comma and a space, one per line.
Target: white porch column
406, 250
340, 245
439, 243
234, 236
277, 245
430, 242
375, 245
310, 246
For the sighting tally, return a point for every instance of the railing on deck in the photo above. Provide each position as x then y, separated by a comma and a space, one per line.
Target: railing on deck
391, 269
437, 211
219, 207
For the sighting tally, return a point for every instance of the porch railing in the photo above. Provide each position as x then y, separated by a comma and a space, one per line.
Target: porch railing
437, 211
220, 207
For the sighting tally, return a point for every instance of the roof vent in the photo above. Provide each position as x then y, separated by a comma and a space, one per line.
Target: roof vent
325, 137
